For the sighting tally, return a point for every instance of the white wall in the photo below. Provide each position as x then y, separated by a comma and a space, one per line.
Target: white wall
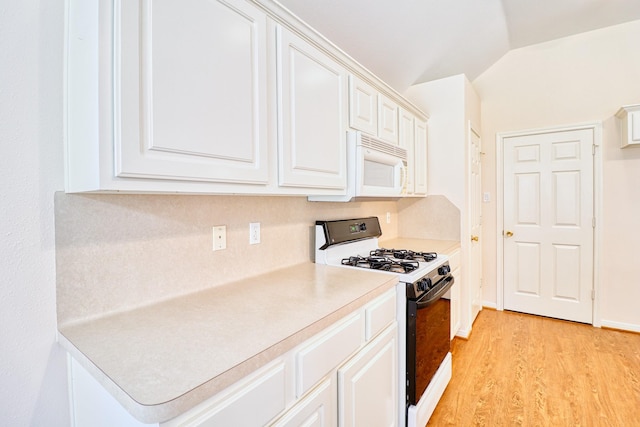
578, 79
32, 366
443, 100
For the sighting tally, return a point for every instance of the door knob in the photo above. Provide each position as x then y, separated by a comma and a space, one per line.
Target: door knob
474, 238
508, 233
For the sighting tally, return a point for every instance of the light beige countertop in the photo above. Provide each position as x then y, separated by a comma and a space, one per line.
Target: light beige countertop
163, 359
446, 247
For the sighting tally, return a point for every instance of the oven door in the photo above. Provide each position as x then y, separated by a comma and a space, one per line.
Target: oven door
428, 338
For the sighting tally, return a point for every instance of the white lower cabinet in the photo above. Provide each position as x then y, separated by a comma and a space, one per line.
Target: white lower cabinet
253, 401
317, 409
346, 375
367, 384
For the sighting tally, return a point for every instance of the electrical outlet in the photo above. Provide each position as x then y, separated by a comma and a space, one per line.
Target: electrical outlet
254, 233
219, 237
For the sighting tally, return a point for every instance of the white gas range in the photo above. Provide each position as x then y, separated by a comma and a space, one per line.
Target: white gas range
423, 314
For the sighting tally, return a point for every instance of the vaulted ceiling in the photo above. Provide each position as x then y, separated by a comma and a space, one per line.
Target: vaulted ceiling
412, 41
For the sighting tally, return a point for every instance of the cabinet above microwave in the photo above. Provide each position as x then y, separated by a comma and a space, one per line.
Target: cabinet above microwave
157, 112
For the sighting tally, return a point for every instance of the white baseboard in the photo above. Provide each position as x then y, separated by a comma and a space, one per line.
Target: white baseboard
463, 333
490, 304
620, 325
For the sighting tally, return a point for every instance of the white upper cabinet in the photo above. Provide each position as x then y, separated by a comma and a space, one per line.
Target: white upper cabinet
387, 120
210, 96
629, 117
413, 138
165, 96
191, 91
363, 106
420, 156
371, 112
312, 100
406, 140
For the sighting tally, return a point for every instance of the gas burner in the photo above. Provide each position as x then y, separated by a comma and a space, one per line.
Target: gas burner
377, 262
405, 254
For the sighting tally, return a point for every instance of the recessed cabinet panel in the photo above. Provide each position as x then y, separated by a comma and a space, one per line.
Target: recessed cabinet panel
420, 158
312, 106
363, 106
407, 141
387, 119
367, 392
191, 91
317, 409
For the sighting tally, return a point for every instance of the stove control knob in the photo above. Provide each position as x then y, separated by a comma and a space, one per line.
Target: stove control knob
443, 270
424, 284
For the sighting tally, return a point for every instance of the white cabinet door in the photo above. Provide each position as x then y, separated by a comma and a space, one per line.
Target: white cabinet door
387, 120
317, 409
190, 88
253, 401
363, 106
312, 127
420, 158
367, 384
407, 141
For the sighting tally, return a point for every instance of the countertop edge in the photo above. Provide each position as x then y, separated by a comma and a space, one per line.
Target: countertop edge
165, 411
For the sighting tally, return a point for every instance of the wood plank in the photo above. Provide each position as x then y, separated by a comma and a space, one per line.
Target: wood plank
524, 370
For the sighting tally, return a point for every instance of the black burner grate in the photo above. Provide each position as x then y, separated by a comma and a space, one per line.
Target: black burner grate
405, 254
378, 262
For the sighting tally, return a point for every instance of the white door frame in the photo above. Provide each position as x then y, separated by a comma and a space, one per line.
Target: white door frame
596, 127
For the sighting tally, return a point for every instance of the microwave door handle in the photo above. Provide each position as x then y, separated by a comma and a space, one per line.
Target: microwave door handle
403, 178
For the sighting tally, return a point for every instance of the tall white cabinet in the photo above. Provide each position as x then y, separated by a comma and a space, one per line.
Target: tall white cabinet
454, 108
312, 93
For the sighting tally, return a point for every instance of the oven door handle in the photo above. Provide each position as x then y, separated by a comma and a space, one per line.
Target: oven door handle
424, 303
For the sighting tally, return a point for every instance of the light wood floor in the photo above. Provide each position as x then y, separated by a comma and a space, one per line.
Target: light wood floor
523, 370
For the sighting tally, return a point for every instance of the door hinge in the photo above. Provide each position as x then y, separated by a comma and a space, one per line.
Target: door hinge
593, 294
593, 222
593, 149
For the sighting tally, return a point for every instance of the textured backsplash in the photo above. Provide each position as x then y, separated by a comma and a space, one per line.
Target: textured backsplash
433, 217
117, 252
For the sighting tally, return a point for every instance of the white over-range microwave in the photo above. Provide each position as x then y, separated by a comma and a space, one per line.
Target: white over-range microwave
375, 169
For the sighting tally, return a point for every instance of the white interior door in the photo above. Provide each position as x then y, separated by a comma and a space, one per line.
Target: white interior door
548, 224
475, 206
